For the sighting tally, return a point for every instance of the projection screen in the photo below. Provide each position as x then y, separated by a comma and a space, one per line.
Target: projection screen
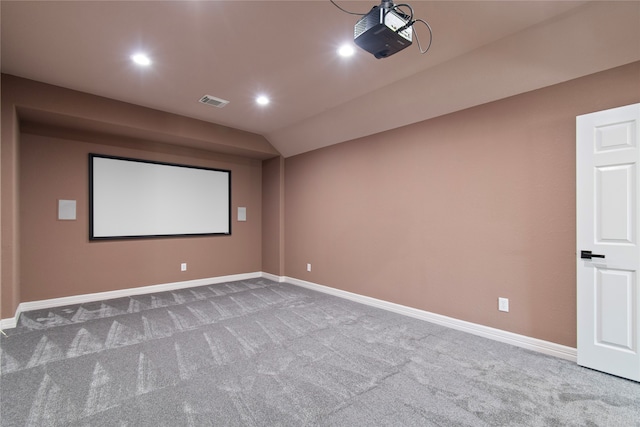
132, 198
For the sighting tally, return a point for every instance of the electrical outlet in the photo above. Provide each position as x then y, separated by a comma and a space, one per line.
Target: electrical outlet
503, 304
308, 267
183, 266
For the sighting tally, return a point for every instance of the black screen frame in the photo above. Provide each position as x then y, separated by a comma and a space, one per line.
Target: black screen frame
93, 237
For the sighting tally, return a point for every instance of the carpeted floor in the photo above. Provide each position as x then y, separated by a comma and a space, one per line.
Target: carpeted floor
260, 353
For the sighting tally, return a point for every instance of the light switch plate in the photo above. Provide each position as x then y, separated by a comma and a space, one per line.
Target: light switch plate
503, 304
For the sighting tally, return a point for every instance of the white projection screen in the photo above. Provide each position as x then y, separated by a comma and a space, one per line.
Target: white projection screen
131, 198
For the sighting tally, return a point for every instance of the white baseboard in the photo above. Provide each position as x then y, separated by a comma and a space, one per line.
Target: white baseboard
273, 277
100, 296
541, 346
8, 323
523, 341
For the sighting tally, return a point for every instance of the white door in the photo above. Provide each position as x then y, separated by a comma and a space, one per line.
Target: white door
608, 210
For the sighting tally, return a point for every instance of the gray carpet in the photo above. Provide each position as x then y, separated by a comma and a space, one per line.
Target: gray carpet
259, 353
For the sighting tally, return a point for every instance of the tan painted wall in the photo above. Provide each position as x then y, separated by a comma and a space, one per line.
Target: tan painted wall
273, 216
444, 215
47, 132
56, 257
9, 207
449, 214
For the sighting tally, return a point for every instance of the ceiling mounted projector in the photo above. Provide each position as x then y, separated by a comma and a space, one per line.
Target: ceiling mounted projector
383, 32
386, 29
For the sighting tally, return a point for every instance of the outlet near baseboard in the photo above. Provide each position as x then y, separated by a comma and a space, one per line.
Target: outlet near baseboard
503, 304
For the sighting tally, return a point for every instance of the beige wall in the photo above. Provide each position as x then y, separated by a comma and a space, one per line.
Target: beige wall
443, 215
47, 132
273, 216
9, 207
56, 257
449, 214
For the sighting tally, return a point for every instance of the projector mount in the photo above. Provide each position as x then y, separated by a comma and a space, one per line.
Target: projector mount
387, 29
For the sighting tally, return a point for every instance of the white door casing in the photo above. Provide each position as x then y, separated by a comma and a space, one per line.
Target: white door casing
608, 219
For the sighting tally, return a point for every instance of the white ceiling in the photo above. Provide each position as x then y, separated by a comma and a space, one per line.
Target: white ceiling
482, 51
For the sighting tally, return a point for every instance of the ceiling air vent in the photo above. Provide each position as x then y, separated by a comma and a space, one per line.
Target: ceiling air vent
212, 100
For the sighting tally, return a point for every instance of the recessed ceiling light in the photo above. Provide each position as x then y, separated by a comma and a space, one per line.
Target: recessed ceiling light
141, 59
346, 50
262, 100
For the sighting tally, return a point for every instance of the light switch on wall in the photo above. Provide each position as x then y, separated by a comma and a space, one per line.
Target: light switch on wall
67, 210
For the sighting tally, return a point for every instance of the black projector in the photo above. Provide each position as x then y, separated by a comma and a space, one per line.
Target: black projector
377, 32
